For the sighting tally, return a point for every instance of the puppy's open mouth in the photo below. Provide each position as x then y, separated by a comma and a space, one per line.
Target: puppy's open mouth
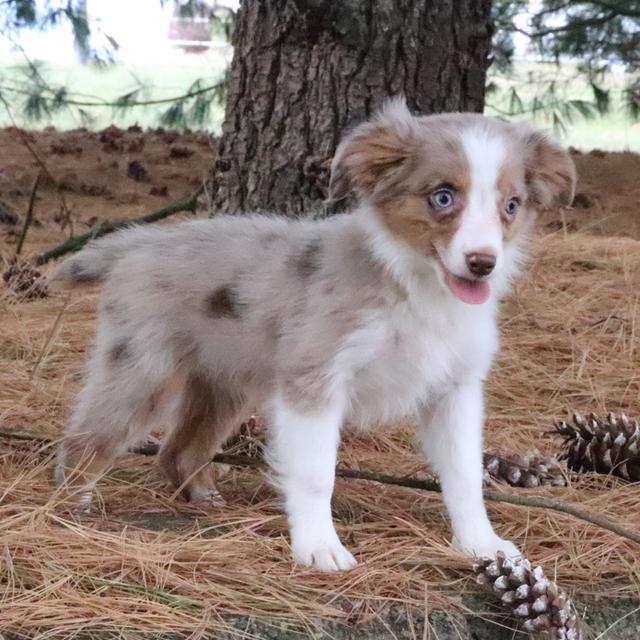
469, 291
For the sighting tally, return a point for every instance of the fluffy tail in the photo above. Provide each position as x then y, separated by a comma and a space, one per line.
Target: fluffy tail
96, 260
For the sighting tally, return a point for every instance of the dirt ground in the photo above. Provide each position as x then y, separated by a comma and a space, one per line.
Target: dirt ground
146, 564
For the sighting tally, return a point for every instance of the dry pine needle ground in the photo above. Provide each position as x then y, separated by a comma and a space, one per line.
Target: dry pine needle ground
146, 563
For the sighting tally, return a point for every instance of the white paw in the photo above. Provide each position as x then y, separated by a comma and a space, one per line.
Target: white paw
488, 548
327, 555
207, 498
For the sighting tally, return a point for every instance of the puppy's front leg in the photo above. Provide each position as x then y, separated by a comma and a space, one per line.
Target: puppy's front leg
302, 452
451, 433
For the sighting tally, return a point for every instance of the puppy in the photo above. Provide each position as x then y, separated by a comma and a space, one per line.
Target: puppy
383, 313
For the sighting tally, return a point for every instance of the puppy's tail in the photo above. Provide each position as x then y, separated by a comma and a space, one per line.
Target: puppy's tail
96, 260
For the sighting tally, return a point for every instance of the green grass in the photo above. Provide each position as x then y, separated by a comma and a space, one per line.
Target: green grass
611, 131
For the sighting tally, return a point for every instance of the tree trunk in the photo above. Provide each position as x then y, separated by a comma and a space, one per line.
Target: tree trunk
304, 70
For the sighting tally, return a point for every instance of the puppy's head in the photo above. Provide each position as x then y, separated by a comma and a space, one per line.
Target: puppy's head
460, 189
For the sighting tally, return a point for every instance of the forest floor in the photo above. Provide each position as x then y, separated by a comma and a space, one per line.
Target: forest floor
145, 564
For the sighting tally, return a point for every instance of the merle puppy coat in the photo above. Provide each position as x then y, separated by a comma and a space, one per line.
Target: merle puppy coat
385, 312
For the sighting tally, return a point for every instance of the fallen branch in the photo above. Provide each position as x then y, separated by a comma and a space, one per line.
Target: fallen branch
540, 502
537, 502
27, 436
29, 217
77, 242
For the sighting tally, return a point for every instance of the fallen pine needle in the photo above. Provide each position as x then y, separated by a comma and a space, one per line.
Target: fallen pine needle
538, 502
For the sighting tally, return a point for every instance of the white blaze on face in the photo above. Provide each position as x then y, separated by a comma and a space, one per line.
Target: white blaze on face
480, 227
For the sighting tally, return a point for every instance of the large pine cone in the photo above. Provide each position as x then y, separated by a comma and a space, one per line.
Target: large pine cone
529, 471
544, 609
608, 445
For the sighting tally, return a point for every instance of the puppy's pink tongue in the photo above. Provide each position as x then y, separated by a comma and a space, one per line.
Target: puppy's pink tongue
469, 291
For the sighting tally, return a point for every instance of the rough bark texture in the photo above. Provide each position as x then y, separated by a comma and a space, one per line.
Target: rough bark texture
305, 70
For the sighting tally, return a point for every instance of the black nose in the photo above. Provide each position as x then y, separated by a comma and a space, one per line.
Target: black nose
481, 264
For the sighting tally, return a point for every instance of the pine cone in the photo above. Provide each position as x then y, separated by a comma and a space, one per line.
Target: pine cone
544, 609
605, 445
25, 281
530, 470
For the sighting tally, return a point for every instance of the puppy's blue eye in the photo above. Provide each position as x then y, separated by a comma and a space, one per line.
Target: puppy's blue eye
441, 199
512, 206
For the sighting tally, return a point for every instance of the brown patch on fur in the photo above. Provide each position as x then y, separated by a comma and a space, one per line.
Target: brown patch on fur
363, 259
162, 396
550, 172
397, 176
511, 183
443, 163
310, 259
77, 273
120, 351
205, 423
411, 219
152, 403
224, 303
370, 160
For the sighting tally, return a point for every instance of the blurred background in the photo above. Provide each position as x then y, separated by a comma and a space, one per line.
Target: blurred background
571, 66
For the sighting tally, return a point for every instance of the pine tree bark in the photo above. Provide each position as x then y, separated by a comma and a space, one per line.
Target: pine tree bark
305, 70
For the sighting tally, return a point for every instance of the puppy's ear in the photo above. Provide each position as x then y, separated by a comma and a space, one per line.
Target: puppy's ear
549, 170
373, 156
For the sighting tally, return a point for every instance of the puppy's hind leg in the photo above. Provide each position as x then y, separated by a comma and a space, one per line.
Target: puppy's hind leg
207, 417
115, 409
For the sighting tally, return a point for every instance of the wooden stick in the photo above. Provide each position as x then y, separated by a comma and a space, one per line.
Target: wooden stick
553, 504
537, 502
77, 242
29, 216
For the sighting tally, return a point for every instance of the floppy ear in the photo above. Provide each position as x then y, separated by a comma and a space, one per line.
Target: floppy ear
372, 157
549, 170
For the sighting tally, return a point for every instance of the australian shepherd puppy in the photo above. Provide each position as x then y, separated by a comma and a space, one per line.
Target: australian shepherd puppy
386, 312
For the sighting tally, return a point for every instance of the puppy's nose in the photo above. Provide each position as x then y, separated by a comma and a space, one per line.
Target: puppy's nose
480, 264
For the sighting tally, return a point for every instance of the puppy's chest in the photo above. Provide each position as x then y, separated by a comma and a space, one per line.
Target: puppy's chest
406, 360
